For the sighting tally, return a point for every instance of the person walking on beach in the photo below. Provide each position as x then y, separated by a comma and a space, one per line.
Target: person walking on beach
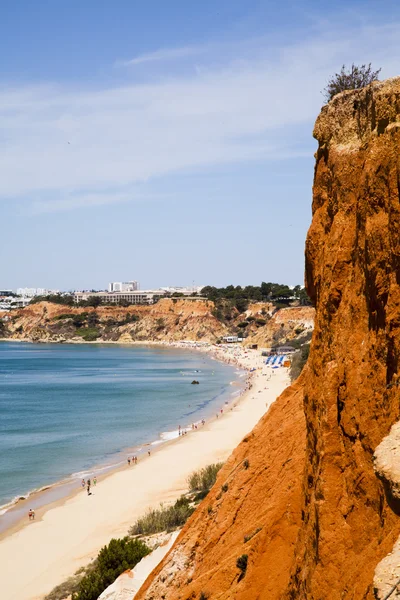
88, 487
83, 483
94, 481
129, 461
31, 514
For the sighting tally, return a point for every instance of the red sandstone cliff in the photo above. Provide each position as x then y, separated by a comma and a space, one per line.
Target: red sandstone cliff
318, 516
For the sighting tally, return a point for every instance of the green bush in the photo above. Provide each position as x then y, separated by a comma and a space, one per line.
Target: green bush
248, 537
243, 324
94, 301
241, 564
63, 316
165, 518
68, 587
299, 359
130, 318
204, 479
241, 304
261, 322
119, 556
80, 319
160, 324
67, 299
89, 334
93, 319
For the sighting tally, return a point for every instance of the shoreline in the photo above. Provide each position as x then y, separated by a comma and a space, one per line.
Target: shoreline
42, 498
156, 484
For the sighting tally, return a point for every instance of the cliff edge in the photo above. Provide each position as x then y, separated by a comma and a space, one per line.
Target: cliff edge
300, 496
169, 320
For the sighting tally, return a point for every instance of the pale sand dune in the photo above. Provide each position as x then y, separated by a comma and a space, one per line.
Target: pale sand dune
47, 551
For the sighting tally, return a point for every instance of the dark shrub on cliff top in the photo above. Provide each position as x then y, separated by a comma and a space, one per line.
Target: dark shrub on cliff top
351, 79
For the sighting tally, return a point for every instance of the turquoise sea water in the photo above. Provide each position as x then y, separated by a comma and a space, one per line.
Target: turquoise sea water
65, 409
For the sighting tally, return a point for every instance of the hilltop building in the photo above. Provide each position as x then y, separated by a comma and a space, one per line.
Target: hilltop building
32, 292
123, 286
117, 293
9, 302
134, 297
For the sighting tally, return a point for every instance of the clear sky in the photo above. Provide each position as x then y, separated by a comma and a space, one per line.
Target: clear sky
168, 141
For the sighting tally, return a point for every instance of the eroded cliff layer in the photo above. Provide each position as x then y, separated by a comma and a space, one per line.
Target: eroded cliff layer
254, 509
323, 516
168, 320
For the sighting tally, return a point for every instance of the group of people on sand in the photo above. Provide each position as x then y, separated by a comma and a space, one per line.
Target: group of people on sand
182, 432
88, 484
132, 460
31, 514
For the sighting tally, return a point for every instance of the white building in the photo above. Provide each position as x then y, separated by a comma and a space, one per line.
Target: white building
9, 302
186, 291
32, 292
115, 297
123, 286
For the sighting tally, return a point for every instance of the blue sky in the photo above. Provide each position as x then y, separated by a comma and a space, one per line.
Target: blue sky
168, 142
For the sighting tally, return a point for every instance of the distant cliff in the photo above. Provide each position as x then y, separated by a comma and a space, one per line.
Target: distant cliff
300, 498
168, 320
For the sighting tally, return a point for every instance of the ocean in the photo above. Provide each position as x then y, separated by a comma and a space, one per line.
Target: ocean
67, 411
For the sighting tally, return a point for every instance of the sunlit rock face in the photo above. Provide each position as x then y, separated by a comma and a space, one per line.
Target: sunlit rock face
310, 511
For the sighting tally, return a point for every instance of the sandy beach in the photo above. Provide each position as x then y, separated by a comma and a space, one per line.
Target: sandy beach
68, 534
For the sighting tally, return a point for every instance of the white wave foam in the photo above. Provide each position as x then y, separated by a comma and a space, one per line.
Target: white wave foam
169, 435
81, 474
6, 507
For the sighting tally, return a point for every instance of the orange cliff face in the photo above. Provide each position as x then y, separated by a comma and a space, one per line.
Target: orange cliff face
353, 276
308, 510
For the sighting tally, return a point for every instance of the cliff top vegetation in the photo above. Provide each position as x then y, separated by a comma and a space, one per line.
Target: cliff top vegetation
350, 79
277, 293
